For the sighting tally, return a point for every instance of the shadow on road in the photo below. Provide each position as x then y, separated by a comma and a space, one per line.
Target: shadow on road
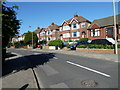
26, 62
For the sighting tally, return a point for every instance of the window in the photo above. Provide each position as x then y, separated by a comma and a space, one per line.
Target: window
83, 25
74, 25
60, 28
48, 38
109, 31
74, 34
66, 35
66, 27
95, 32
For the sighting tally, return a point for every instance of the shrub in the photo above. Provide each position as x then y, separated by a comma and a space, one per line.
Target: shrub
84, 39
9, 44
96, 46
68, 46
58, 43
17, 44
82, 46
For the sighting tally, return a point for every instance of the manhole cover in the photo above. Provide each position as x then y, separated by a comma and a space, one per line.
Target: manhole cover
89, 83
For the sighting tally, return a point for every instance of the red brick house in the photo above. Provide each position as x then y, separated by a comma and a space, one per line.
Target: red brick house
43, 34
52, 32
104, 28
37, 31
74, 28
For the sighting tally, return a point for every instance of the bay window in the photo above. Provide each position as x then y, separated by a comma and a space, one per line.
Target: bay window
95, 32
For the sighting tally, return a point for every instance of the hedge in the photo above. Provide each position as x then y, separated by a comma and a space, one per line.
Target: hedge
84, 39
58, 43
96, 46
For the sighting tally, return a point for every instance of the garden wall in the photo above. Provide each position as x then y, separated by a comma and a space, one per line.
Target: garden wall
98, 50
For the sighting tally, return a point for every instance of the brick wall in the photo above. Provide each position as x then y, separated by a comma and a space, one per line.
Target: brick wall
98, 50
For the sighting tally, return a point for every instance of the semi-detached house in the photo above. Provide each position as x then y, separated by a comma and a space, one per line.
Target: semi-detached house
74, 28
51, 32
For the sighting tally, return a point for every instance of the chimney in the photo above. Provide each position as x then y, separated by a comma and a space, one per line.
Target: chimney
52, 23
75, 16
38, 28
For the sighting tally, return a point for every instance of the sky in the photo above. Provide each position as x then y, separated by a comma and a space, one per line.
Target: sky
42, 14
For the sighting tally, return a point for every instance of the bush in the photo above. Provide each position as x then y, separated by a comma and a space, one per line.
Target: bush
84, 39
43, 42
17, 44
82, 46
58, 43
68, 46
9, 44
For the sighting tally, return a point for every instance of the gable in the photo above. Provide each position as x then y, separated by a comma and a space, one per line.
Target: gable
64, 24
94, 26
74, 21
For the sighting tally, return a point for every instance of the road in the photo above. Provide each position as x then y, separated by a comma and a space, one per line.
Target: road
55, 70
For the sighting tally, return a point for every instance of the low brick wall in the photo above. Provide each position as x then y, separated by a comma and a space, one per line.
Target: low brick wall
98, 50
53, 47
65, 48
45, 47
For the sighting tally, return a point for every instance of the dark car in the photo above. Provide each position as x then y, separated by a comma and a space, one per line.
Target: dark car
73, 47
101, 41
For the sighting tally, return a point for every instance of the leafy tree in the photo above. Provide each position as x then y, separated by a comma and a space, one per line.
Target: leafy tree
10, 25
28, 38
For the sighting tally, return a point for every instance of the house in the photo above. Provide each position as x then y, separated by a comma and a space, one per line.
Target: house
104, 28
43, 34
18, 38
52, 32
74, 28
37, 31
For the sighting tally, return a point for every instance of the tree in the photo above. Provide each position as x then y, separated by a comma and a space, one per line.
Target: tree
28, 38
10, 25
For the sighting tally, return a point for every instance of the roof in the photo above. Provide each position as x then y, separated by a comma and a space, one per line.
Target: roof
37, 30
78, 18
107, 21
43, 29
53, 26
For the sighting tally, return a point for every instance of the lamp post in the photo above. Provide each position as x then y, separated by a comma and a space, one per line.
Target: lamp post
115, 28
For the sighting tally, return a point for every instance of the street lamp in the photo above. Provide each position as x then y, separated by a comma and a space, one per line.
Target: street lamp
115, 28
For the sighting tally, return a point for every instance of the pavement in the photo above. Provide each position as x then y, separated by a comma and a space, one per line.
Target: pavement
103, 56
15, 75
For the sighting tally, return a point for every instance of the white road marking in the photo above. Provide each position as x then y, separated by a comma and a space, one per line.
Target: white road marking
36, 53
55, 57
101, 73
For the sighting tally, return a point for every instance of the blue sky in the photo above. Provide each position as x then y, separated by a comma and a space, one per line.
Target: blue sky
42, 14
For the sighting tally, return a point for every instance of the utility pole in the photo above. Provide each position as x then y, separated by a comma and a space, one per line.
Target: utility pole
115, 28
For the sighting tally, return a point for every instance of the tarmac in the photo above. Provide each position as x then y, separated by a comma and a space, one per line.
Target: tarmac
14, 77
103, 56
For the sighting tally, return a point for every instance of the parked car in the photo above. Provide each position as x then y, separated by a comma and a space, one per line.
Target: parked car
73, 47
101, 41
38, 45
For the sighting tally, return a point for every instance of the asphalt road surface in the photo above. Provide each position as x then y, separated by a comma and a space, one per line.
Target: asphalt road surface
56, 70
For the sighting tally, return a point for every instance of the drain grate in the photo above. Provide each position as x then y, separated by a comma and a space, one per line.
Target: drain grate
89, 83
